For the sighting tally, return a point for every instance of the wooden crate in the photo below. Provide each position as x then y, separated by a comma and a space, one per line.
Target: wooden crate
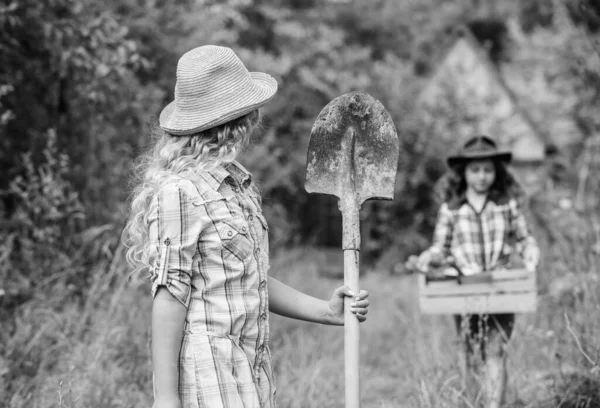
508, 291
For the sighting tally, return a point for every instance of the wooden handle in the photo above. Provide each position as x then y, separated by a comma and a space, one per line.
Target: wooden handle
351, 246
351, 332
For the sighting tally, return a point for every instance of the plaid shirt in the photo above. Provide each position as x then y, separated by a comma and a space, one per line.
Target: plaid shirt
481, 241
210, 250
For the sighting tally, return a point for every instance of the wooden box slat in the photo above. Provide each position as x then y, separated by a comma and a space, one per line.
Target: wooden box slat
511, 291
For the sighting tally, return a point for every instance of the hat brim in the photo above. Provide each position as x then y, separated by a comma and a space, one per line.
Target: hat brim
499, 156
179, 123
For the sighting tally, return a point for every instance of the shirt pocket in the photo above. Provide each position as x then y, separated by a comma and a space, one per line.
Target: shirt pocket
235, 238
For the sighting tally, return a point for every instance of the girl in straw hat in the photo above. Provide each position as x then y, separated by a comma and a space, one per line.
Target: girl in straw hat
477, 224
197, 225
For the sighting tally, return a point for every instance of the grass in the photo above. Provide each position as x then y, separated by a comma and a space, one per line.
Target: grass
61, 351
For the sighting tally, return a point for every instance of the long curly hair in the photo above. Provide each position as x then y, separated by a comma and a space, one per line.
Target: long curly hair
170, 155
452, 186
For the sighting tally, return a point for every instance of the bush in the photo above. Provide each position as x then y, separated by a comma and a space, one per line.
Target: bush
36, 236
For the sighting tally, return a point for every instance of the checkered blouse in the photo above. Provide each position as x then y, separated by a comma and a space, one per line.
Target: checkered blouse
481, 241
210, 250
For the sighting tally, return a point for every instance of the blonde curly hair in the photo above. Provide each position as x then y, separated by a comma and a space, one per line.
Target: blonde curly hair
176, 155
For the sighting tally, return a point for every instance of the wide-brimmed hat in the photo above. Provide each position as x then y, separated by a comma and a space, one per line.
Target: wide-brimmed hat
213, 87
479, 147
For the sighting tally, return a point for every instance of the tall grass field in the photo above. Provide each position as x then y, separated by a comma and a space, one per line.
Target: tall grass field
93, 352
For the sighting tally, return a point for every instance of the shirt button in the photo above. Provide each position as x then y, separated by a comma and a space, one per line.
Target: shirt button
262, 285
244, 230
250, 217
230, 233
237, 190
257, 251
263, 316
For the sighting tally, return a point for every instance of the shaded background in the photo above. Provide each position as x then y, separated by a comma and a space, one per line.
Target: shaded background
81, 85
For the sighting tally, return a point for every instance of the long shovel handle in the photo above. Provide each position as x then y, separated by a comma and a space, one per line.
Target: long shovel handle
351, 246
351, 331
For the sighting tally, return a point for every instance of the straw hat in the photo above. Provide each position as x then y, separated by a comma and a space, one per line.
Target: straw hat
479, 147
213, 87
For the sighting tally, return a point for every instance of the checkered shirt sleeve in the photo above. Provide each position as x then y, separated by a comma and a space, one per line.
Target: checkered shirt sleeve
519, 230
442, 235
174, 226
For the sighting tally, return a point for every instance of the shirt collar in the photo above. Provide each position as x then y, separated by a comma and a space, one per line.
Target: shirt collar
222, 172
457, 202
239, 174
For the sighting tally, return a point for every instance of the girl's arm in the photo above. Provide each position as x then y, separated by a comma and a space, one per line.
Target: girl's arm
442, 235
289, 302
168, 316
174, 225
442, 240
526, 243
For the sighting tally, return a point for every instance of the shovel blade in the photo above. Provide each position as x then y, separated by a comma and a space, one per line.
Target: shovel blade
353, 148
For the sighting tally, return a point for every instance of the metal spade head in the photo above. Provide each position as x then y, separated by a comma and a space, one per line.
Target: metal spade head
353, 150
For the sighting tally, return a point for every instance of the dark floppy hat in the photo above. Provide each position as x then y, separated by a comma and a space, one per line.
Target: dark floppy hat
479, 147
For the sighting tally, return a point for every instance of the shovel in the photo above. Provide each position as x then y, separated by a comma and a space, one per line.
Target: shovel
353, 155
